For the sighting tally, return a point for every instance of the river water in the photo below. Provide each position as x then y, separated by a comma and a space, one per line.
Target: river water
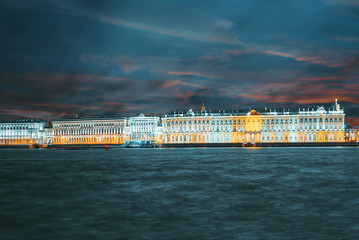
194, 193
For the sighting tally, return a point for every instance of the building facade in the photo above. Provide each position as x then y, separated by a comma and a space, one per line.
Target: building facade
311, 125
351, 133
304, 125
89, 131
144, 128
201, 127
22, 132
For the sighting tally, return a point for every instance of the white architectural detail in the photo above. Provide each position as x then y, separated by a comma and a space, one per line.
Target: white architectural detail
22, 132
306, 125
89, 131
144, 128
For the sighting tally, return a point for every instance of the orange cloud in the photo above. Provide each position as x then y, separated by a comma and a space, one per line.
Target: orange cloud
306, 58
235, 52
280, 54
188, 73
171, 83
303, 91
128, 65
176, 82
115, 104
185, 96
303, 59
314, 98
354, 121
321, 78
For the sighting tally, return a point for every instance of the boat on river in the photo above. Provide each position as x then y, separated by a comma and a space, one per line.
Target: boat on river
140, 144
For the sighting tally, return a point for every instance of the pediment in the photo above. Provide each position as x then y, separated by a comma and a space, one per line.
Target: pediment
321, 110
190, 112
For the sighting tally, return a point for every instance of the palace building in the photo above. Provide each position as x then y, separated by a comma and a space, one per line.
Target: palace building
89, 131
305, 125
22, 132
200, 127
144, 128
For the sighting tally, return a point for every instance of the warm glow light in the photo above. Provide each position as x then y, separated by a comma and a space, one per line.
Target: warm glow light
306, 125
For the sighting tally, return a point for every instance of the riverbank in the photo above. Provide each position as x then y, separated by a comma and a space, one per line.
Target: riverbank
186, 145
79, 146
316, 144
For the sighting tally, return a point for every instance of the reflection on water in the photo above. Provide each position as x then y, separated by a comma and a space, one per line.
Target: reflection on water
203, 193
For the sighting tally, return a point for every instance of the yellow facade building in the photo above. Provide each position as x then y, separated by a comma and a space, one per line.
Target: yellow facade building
302, 126
305, 125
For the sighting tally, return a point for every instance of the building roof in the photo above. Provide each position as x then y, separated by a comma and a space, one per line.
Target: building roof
253, 112
25, 120
88, 118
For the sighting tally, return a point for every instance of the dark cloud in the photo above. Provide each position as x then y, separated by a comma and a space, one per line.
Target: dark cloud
96, 57
352, 64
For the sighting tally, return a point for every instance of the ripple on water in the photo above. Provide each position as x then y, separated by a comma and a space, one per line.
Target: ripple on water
215, 193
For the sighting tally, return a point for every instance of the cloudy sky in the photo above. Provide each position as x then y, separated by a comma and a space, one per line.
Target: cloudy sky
94, 57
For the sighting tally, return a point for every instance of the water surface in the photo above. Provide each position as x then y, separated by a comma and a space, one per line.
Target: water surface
194, 193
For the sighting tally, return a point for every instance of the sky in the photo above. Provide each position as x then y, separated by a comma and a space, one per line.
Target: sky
85, 57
